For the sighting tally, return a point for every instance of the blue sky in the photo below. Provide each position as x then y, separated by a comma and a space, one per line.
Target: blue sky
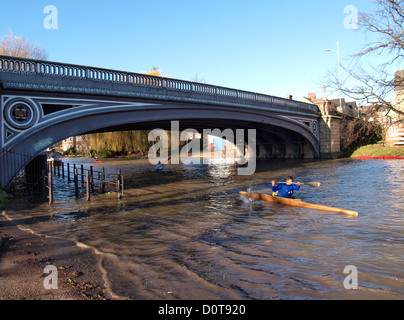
271, 47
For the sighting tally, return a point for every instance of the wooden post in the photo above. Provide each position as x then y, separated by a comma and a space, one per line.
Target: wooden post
68, 172
91, 178
88, 185
118, 184
82, 174
63, 171
50, 186
76, 183
121, 185
103, 180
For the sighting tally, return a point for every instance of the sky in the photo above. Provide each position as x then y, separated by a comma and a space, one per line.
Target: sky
264, 46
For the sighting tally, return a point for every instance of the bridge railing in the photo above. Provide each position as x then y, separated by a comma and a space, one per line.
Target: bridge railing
55, 69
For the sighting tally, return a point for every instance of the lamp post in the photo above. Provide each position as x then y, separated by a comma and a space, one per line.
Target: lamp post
339, 73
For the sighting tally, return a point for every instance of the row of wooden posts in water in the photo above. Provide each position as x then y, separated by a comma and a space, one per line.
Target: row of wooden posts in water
87, 179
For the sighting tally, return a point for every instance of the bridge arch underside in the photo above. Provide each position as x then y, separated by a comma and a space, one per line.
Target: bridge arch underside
276, 136
272, 141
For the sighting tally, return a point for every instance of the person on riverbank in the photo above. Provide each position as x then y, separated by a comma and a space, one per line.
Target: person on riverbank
285, 189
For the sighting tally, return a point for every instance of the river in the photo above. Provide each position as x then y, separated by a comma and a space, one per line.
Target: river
188, 234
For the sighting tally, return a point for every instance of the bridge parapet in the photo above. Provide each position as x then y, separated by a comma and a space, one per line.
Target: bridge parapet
28, 74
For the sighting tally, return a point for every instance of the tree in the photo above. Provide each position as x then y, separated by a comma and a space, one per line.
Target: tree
17, 46
356, 132
153, 72
375, 84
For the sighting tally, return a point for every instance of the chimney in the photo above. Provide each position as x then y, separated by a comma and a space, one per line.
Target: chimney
289, 97
312, 95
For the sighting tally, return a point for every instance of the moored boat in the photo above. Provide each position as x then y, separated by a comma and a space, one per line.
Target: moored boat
295, 202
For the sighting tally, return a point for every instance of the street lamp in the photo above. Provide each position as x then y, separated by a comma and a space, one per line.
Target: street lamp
339, 74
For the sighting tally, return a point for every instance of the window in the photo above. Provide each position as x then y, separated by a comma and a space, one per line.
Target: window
393, 131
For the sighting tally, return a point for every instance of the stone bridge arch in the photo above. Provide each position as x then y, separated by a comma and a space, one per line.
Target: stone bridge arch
43, 102
42, 128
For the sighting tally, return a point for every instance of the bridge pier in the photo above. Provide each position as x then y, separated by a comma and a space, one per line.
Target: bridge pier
330, 144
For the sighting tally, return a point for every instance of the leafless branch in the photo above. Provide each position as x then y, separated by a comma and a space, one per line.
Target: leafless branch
15, 46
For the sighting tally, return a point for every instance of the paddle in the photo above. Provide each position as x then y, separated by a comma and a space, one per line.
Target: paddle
310, 183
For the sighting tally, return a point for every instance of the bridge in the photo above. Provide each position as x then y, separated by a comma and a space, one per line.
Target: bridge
44, 102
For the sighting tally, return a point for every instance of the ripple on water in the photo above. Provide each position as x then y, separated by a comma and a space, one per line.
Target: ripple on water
189, 235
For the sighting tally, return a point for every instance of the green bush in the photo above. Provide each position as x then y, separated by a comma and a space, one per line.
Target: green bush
69, 152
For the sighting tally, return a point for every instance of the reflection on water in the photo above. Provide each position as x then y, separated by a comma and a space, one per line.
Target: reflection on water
188, 234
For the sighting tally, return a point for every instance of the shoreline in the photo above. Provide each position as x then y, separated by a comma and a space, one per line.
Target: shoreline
379, 157
378, 150
24, 255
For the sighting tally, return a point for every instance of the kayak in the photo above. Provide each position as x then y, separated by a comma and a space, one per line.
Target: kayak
295, 202
162, 170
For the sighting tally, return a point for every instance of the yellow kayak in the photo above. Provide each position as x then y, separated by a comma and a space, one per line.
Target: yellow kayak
295, 202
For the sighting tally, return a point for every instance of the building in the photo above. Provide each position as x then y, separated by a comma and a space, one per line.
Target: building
380, 114
399, 93
350, 108
78, 143
395, 135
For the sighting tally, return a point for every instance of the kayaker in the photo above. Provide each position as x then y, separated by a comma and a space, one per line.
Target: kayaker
159, 166
285, 189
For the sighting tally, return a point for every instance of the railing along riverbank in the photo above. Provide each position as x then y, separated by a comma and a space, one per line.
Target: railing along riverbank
38, 173
86, 181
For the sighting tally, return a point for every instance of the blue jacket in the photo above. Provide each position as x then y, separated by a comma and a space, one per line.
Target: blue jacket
284, 190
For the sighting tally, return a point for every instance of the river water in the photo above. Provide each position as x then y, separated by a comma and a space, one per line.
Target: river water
188, 234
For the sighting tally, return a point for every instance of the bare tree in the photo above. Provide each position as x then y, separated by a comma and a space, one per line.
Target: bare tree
16, 46
387, 23
375, 84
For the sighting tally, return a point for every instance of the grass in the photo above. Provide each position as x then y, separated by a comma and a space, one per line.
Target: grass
378, 150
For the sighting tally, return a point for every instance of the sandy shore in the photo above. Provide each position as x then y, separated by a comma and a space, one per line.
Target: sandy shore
23, 257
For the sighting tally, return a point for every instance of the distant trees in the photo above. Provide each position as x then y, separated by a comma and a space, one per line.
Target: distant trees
120, 142
17, 46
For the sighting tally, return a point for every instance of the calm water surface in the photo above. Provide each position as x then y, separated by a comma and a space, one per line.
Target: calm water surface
189, 234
